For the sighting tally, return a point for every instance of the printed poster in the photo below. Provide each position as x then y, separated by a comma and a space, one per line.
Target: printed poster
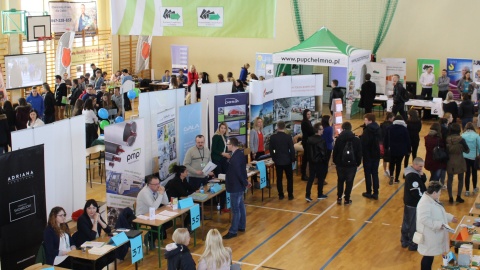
395, 66
378, 72
422, 66
263, 61
73, 16
189, 126
456, 69
179, 59
167, 142
233, 110
125, 165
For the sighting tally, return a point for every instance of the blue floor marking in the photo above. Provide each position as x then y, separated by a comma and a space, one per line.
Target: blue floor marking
284, 226
360, 229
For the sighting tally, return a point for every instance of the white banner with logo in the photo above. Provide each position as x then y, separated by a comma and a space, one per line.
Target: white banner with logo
395, 66
378, 72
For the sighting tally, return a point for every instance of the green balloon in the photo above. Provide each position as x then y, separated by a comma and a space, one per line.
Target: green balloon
104, 123
137, 91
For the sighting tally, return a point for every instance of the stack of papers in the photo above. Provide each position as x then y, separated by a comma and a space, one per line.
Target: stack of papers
91, 244
100, 250
198, 196
165, 215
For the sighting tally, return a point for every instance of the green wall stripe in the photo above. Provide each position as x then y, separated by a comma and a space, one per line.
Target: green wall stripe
148, 18
128, 17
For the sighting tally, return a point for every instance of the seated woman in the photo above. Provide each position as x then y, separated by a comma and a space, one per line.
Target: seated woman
56, 239
33, 120
90, 224
179, 187
215, 256
177, 254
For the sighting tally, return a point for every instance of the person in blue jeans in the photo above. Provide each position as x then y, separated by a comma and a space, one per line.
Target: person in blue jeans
235, 183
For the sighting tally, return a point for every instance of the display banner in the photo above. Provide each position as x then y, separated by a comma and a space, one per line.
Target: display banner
378, 72
64, 53
179, 59
422, 66
73, 16
3, 91
232, 109
395, 66
143, 53
23, 210
204, 18
189, 126
166, 138
456, 68
262, 68
125, 165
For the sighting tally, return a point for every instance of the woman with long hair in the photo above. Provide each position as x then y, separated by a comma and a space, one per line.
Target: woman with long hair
173, 82
473, 142
257, 139
78, 108
215, 256
220, 153
432, 140
177, 253
56, 239
10, 112
33, 120
90, 224
383, 127
49, 99
307, 131
465, 84
238, 86
450, 106
456, 164
91, 121
192, 77
22, 112
414, 126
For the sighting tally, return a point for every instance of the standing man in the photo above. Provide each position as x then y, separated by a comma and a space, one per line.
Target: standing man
283, 154
336, 93
318, 162
371, 155
244, 73
151, 195
60, 92
126, 76
414, 188
367, 94
235, 183
399, 97
98, 79
196, 158
103, 90
347, 156
117, 99
90, 93
443, 83
427, 80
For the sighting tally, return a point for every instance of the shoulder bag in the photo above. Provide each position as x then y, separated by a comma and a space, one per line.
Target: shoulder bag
439, 154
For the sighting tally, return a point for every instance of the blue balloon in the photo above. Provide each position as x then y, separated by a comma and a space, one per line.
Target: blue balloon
103, 113
131, 94
118, 119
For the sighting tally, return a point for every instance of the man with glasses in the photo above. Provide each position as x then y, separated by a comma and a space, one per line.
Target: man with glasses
319, 162
196, 158
152, 195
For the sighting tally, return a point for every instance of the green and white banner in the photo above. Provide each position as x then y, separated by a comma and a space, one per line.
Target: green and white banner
200, 18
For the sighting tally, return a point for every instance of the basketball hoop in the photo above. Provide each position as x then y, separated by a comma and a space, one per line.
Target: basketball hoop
44, 38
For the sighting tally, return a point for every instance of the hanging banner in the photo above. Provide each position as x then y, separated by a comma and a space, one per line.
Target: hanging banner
3, 91
378, 72
22, 206
166, 138
143, 53
179, 59
205, 18
422, 67
456, 68
73, 16
64, 53
395, 66
125, 165
232, 109
264, 65
189, 126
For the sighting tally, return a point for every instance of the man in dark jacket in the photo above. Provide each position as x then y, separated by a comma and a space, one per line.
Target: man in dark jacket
235, 183
336, 93
346, 161
370, 139
399, 93
283, 154
367, 94
413, 190
317, 149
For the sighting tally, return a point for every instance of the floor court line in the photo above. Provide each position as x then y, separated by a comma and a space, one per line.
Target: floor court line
278, 209
361, 228
242, 263
303, 229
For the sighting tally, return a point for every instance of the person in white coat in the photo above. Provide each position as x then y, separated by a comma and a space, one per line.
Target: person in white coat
431, 221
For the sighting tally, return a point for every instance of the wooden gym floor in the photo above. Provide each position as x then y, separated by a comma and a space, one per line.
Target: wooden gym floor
318, 235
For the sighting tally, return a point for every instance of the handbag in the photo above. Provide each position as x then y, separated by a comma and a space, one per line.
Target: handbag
417, 238
439, 154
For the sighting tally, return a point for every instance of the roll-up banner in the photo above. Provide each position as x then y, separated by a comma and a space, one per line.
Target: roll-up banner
143, 53
64, 53
395, 66
73, 16
125, 165
263, 65
167, 142
422, 67
233, 110
22, 206
179, 59
378, 72
456, 69
189, 126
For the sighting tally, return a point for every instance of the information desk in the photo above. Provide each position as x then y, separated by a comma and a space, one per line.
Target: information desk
466, 220
80, 257
39, 266
159, 86
474, 211
159, 223
252, 170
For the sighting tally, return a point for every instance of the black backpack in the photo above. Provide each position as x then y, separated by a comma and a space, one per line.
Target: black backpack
405, 95
348, 156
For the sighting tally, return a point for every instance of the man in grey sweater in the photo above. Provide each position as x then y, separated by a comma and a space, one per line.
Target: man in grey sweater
443, 83
196, 158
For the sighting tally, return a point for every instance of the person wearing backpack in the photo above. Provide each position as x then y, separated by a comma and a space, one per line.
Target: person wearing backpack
400, 96
370, 139
318, 160
347, 156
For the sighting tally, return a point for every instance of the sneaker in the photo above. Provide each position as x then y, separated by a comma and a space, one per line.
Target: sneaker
444, 187
460, 200
280, 197
290, 197
396, 181
391, 181
467, 193
387, 173
367, 195
308, 199
322, 197
229, 235
347, 202
475, 190
339, 201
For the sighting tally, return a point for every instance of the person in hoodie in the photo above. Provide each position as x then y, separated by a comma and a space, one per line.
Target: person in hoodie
412, 193
336, 93
456, 146
466, 110
346, 171
473, 141
36, 101
397, 141
370, 140
177, 254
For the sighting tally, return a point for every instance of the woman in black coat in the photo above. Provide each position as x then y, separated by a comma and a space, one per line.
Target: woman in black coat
49, 102
397, 141
414, 126
90, 224
307, 131
466, 111
450, 106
